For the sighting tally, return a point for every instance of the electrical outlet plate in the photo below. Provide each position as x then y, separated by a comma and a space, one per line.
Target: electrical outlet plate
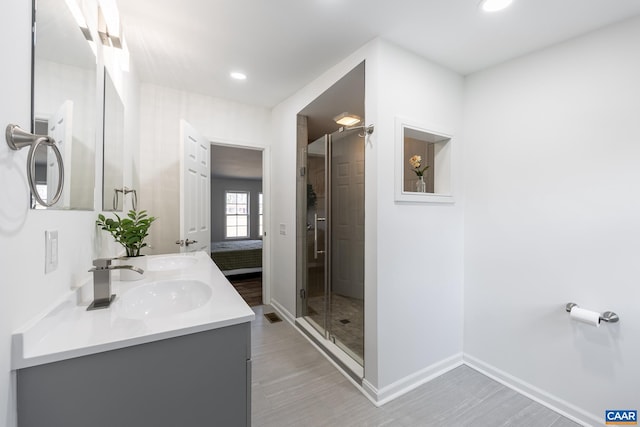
51, 251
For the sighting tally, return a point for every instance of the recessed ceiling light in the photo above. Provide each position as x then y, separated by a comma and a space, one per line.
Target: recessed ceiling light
346, 119
238, 76
494, 5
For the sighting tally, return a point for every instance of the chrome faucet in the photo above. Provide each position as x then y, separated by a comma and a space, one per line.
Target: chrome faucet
102, 296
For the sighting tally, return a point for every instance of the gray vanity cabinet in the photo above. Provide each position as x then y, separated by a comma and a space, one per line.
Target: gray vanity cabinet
200, 379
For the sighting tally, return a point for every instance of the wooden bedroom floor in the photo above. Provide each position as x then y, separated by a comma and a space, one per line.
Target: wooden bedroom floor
249, 286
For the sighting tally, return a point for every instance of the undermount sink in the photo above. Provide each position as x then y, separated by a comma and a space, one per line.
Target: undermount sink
167, 263
163, 298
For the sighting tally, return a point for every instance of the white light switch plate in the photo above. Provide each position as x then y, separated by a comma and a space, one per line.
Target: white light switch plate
283, 229
50, 251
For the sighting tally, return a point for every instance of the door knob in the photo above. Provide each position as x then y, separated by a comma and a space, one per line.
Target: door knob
185, 242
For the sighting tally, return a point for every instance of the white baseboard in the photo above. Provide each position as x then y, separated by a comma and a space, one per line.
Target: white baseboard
378, 398
410, 382
283, 312
544, 398
333, 362
415, 380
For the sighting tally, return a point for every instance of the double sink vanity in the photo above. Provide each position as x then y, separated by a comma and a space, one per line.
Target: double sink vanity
173, 349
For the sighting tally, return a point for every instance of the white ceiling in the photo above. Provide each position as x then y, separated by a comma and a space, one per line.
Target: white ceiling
345, 95
284, 44
234, 162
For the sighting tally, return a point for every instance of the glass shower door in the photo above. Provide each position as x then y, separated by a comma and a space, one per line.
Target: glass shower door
346, 243
333, 301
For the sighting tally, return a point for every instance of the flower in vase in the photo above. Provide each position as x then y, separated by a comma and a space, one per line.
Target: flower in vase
416, 161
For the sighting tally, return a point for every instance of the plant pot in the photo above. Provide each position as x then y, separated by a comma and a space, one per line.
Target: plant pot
129, 275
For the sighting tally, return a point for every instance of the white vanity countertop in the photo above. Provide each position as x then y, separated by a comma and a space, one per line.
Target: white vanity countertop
68, 330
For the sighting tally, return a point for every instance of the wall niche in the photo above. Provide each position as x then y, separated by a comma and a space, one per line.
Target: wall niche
417, 148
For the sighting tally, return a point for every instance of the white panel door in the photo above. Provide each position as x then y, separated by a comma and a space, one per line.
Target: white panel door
61, 130
195, 195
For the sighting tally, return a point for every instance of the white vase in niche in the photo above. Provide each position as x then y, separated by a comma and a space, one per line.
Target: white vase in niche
421, 186
129, 275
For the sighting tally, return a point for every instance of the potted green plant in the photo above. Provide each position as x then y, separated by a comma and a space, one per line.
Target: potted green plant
130, 232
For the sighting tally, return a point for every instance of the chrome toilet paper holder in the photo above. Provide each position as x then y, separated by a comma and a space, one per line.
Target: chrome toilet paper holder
607, 316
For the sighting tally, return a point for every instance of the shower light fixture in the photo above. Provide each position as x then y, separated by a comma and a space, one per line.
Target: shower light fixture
238, 75
346, 119
494, 5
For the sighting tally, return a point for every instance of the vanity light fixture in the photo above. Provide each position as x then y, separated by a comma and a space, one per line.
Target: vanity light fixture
236, 75
109, 32
494, 5
79, 18
346, 119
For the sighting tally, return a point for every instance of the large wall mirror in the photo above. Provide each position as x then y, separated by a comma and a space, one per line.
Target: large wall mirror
65, 101
113, 190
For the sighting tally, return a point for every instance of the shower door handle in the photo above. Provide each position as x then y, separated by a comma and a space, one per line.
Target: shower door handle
315, 235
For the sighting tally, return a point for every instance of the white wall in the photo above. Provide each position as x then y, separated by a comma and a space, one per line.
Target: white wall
420, 246
216, 119
552, 216
413, 253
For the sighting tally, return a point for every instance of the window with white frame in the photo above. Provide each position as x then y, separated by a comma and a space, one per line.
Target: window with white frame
237, 214
260, 228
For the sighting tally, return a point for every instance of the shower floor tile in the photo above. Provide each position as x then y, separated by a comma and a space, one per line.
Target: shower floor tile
347, 320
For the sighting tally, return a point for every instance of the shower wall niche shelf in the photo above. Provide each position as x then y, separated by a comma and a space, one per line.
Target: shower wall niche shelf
435, 150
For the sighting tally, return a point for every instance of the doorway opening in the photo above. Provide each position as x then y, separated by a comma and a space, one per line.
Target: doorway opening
237, 212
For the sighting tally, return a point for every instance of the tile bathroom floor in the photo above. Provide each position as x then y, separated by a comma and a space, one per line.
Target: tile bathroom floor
294, 385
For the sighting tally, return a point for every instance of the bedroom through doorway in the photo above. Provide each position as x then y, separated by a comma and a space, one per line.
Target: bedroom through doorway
237, 228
